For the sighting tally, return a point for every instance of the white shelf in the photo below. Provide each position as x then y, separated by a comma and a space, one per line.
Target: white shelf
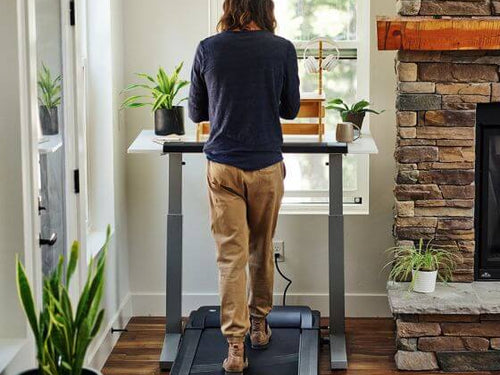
49, 144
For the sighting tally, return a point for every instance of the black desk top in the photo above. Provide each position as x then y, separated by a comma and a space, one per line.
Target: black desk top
288, 147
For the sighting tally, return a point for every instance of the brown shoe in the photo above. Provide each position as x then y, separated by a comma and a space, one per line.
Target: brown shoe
236, 361
260, 333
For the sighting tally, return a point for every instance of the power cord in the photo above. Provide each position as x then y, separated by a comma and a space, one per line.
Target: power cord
276, 257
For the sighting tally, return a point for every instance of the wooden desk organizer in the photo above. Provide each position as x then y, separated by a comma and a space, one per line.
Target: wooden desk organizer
311, 107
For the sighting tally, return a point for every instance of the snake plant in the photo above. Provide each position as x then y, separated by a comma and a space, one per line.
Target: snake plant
161, 91
50, 89
63, 334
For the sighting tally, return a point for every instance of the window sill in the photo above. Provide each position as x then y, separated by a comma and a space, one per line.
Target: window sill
9, 348
322, 209
95, 242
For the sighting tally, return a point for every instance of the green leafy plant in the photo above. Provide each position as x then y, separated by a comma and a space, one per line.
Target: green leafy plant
63, 335
424, 257
161, 91
360, 107
50, 89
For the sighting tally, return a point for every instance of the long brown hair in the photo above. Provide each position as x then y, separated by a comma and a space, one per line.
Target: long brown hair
239, 14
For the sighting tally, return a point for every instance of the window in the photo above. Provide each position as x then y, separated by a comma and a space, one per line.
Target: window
341, 20
347, 23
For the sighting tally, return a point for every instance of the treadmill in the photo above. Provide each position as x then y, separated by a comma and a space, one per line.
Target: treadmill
294, 345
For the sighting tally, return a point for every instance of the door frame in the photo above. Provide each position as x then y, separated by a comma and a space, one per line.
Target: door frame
30, 133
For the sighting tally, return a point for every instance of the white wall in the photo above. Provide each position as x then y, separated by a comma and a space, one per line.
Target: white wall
111, 161
154, 36
11, 200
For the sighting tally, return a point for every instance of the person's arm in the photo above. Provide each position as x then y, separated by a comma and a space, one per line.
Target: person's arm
198, 95
290, 94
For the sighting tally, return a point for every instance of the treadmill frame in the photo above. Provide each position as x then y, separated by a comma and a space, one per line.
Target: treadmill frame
308, 322
174, 150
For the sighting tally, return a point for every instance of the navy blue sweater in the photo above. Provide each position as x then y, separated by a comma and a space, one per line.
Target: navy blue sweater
243, 82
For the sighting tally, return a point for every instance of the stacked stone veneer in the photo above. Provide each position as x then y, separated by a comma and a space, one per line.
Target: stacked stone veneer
453, 343
448, 7
437, 95
456, 328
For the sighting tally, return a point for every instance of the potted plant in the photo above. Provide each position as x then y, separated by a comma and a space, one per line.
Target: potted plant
63, 334
424, 264
355, 113
50, 99
161, 93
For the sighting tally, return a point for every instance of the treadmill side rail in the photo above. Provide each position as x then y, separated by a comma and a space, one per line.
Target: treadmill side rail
309, 352
187, 353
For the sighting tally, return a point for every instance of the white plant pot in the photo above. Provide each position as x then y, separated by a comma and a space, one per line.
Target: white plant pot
424, 281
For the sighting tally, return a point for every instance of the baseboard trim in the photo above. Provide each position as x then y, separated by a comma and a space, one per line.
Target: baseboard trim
105, 341
358, 305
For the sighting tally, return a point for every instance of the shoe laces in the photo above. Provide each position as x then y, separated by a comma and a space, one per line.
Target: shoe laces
236, 349
259, 325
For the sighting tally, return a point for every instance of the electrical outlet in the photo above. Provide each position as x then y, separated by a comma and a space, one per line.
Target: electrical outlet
279, 248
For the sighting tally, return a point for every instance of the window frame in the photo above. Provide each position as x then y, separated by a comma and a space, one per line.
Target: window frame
362, 47
96, 185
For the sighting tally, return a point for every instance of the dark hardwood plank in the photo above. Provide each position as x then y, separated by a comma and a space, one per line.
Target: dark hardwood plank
370, 343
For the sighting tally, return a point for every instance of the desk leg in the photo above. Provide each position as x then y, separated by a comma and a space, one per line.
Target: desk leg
173, 327
338, 354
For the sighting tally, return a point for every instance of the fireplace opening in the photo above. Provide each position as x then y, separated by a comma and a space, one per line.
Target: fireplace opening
487, 214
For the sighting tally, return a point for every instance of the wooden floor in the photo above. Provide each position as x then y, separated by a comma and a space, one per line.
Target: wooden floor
370, 345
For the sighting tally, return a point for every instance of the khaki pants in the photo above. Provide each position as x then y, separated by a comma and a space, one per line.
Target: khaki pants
244, 207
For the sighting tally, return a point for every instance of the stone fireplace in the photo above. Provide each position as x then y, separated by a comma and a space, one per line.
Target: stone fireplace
438, 93
447, 182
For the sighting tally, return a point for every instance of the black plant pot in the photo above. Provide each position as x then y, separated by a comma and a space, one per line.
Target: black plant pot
85, 371
169, 121
49, 120
356, 118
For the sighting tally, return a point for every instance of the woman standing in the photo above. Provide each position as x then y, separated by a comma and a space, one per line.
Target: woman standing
243, 80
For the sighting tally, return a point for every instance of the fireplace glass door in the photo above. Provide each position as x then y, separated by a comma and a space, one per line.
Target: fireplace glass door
488, 189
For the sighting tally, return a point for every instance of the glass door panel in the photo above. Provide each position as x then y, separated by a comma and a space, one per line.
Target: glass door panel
52, 130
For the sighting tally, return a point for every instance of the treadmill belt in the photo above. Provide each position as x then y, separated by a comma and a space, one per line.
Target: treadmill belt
280, 358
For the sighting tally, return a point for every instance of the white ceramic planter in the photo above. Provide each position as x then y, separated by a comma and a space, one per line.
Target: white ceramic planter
424, 281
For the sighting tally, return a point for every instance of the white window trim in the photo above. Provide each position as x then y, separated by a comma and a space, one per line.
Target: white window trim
92, 223
362, 44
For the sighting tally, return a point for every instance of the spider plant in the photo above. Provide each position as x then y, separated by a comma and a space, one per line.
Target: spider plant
424, 257
161, 91
360, 108
63, 334
50, 88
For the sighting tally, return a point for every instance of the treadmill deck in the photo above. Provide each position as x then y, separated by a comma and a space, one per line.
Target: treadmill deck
205, 348
281, 357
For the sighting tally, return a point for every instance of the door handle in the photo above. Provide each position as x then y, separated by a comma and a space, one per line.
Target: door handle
48, 241
40, 207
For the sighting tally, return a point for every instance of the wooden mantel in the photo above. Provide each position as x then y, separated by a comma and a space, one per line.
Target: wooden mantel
442, 34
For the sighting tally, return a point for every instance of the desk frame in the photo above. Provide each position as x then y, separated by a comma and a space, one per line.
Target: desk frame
338, 355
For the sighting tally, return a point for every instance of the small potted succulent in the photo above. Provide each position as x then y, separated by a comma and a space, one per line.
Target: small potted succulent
423, 265
50, 99
161, 94
355, 113
63, 334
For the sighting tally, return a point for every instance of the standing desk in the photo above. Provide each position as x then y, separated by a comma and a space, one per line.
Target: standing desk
145, 144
